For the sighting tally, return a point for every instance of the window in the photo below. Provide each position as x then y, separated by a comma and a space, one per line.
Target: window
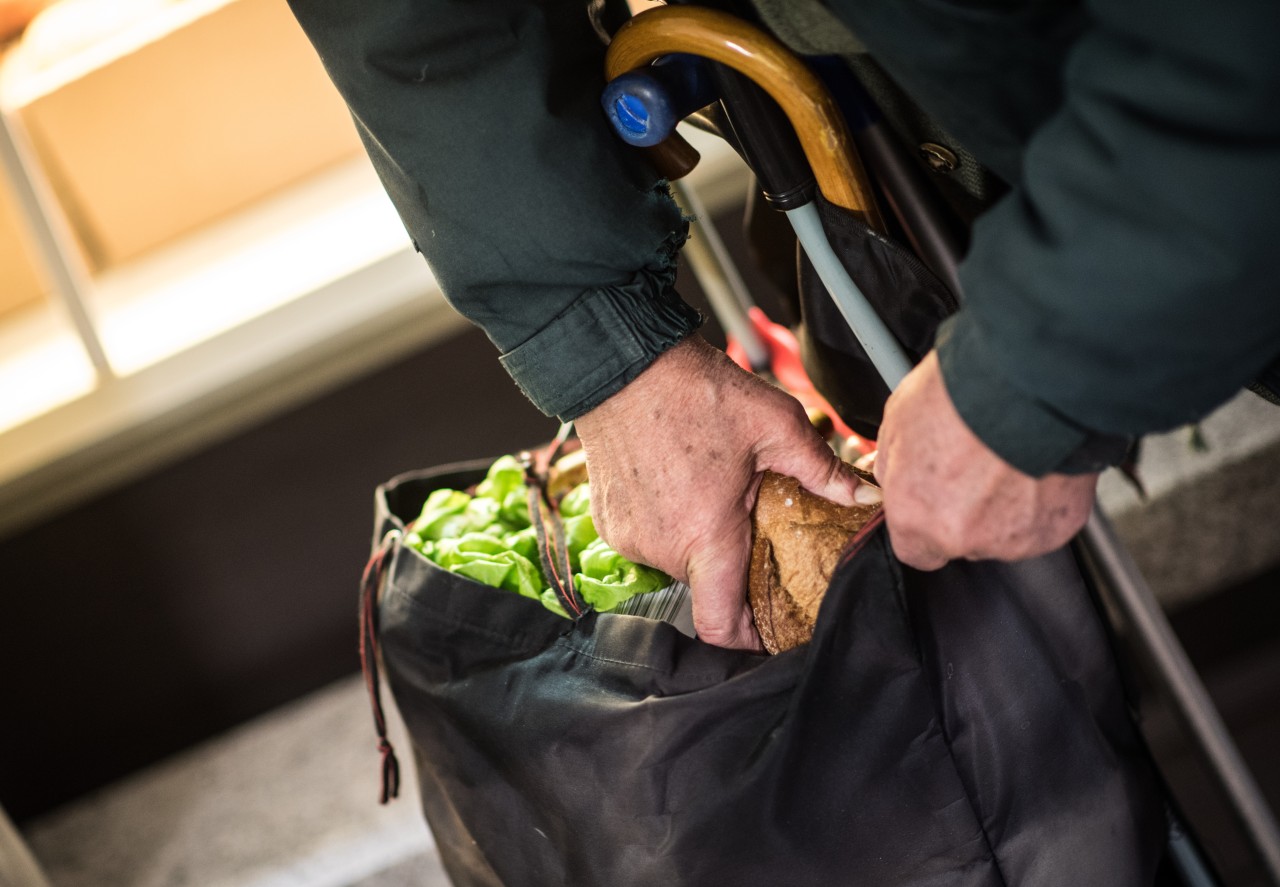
188, 227
191, 238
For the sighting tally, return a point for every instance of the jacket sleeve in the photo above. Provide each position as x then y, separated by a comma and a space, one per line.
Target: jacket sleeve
482, 119
1128, 283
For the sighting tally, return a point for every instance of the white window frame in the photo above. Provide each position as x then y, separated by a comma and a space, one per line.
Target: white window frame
369, 308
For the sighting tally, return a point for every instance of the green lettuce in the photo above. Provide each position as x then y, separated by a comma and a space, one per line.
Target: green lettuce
500, 506
442, 515
579, 532
504, 477
577, 501
552, 603
488, 537
488, 560
607, 578
523, 542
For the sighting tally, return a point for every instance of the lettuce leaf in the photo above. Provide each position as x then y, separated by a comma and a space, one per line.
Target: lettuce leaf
442, 515
577, 501
487, 559
487, 537
607, 578
552, 603
514, 512
579, 532
523, 542
504, 477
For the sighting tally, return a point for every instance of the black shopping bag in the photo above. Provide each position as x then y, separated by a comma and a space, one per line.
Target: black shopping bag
962, 727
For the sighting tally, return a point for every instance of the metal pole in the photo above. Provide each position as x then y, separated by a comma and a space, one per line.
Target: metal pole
876, 339
1154, 637
52, 237
719, 278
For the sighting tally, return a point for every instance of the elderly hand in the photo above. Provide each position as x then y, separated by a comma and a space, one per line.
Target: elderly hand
675, 460
947, 496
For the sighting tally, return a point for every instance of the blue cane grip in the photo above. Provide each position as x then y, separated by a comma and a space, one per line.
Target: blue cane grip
640, 109
645, 105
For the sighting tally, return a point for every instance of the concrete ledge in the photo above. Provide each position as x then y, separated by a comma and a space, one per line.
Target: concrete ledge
289, 800
1212, 516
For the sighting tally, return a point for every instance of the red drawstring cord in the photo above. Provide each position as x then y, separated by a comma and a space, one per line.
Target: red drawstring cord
859, 540
369, 584
544, 515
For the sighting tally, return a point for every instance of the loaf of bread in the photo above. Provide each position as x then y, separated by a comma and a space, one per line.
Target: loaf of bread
796, 541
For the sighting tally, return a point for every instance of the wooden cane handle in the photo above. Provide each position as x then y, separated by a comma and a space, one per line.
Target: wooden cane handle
723, 38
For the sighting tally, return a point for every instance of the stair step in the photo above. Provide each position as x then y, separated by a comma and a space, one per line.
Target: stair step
287, 800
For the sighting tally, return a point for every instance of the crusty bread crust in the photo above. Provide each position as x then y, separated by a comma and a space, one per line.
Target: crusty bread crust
796, 540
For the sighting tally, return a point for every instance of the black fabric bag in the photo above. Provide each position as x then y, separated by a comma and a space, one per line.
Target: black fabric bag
909, 297
961, 727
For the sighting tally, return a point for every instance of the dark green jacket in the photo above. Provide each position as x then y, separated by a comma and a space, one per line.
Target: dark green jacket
1125, 284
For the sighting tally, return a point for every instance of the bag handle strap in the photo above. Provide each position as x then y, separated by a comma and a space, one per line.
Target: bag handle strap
544, 514
370, 583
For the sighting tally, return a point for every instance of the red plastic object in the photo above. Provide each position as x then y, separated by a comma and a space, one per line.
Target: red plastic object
789, 372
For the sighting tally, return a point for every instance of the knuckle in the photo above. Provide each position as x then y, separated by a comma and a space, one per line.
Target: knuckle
792, 420
911, 546
713, 633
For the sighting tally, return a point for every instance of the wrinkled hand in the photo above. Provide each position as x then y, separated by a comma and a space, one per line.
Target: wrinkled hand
675, 460
947, 496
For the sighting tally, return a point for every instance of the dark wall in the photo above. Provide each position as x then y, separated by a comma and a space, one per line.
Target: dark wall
223, 585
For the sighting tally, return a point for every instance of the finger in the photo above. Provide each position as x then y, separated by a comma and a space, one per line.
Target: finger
811, 462
740, 634
867, 462
868, 494
880, 465
915, 549
920, 556
718, 581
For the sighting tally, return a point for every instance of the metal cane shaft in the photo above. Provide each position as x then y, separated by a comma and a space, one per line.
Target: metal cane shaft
890, 360
1156, 640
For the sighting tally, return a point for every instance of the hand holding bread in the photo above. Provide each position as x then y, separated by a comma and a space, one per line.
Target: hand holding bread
796, 542
675, 460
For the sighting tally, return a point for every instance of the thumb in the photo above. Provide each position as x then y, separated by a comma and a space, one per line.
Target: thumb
718, 581
808, 459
